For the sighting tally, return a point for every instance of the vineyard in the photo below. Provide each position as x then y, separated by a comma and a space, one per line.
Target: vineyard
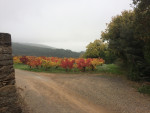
67, 64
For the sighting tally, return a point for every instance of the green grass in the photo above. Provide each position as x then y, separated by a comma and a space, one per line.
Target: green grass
20, 66
51, 70
110, 68
106, 68
144, 89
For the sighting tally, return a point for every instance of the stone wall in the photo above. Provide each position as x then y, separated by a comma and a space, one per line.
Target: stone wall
8, 93
7, 76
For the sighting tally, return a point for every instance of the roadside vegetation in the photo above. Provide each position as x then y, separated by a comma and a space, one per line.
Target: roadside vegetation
104, 69
144, 89
65, 65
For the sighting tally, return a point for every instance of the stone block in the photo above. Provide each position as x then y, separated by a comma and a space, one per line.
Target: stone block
5, 39
10, 77
5, 50
5, 57
6, 62
5, 71
7, 80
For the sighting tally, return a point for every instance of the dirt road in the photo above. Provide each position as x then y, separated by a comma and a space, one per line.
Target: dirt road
71, 93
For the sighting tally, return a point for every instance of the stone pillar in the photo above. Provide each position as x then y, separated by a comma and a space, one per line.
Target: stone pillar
8, 93
7, 75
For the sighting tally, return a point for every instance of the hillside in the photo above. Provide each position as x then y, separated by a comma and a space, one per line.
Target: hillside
36, 45
41, 50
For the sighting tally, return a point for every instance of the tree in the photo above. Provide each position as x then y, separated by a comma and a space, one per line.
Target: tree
95, 49
142, 31
120, 36
142, 19
98, 49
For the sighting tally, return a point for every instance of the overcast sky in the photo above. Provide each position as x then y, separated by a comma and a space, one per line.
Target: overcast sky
68, 24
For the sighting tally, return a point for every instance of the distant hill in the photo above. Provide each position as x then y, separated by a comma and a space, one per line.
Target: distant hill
29, 49
36, 45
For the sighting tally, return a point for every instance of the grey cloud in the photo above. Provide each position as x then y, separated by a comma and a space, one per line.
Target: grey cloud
70, 24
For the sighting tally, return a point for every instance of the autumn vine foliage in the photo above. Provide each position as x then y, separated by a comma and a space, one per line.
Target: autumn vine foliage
34, 62
54, 62
83, 63
48, 62
24, 59
67, 63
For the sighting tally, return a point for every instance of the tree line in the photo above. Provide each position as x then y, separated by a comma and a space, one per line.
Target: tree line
127, 38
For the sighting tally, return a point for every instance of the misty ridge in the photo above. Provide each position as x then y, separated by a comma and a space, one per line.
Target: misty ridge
31, 49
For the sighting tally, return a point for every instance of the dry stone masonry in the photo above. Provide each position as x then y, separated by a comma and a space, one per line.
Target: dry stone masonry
7, 76
8, 92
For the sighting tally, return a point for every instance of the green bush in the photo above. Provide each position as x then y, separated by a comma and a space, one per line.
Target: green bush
144, 89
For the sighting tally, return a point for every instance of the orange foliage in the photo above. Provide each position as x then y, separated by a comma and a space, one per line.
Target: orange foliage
66, 63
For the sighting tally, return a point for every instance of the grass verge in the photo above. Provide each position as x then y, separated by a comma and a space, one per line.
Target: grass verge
106, 68
110, 68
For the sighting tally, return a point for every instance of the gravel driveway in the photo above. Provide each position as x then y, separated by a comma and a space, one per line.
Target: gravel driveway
79, 93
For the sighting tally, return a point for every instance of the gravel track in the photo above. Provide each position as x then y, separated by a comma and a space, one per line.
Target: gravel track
79, 93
